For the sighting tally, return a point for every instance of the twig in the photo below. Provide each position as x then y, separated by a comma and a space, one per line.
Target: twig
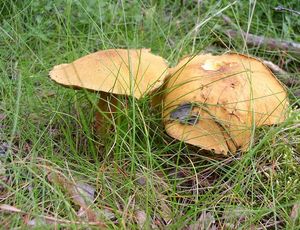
281, 74
255, 40
281, 9
270, 43
275, 68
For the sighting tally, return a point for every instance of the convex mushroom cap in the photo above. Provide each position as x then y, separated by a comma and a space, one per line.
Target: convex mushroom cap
118, 71
215, 101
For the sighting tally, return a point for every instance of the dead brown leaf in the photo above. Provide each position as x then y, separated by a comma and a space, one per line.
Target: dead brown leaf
45, 94
206, 221
141, 218
3, 148
295, 211
38, 221
81, 194
165, 210
234, 217
2, 116
3, 176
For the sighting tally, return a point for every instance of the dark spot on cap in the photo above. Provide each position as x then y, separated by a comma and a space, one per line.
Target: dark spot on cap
184, 114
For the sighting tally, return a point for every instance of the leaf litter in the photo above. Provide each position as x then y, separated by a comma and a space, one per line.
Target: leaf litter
206, 221
295, 211
81, 194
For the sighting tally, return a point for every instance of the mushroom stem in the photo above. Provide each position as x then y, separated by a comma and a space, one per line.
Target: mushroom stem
106, 112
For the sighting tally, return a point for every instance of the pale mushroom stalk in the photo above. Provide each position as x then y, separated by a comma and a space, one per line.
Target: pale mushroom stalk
105, 114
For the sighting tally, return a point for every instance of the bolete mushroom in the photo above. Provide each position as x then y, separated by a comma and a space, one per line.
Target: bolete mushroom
113, 72
215, 102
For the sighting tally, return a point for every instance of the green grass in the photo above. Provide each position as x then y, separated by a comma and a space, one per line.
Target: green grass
48, 128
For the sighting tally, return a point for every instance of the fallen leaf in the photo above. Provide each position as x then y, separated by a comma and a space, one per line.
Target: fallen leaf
205, 222
81, 213
165, 211
108, 214
2, 169
141, 218
297, 93
234, 217
3, 176
82, 194
2, 116
86, 193
295, 211
3, 149
142, 180
38, 222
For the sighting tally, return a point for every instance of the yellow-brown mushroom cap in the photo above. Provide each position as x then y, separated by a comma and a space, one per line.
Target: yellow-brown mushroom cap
215, 101
118, 71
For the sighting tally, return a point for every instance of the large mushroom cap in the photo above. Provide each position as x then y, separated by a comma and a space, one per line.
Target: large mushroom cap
118, 71
214, 101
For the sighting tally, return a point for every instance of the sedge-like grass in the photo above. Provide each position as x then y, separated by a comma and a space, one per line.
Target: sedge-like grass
136, 167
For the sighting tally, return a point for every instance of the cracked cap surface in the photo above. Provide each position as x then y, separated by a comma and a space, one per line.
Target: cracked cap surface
230, 92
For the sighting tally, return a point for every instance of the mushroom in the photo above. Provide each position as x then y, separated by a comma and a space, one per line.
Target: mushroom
113, 72
215, 102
